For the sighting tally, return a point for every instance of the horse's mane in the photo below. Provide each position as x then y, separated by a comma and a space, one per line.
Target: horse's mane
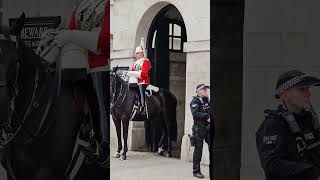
29, 55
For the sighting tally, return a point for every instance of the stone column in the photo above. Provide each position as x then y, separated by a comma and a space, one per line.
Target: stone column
197, 71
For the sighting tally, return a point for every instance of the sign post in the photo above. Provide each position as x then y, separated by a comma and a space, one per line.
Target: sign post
34, 27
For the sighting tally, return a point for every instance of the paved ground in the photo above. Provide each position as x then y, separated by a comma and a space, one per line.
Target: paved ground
144, 165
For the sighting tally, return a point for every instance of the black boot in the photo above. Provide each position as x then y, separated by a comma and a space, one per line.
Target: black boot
142, 90
100, 114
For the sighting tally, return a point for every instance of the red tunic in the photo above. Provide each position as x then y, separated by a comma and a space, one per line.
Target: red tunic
145, 67
103, 45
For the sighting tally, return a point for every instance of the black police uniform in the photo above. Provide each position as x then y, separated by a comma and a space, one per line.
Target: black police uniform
286, 146
200, 111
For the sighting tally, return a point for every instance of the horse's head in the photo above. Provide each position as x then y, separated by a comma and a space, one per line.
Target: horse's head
115, 84
9, 68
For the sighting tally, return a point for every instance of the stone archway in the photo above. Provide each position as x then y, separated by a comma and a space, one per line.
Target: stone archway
168, 60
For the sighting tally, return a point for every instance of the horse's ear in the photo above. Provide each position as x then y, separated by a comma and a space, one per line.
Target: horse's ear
18, 25
116, 69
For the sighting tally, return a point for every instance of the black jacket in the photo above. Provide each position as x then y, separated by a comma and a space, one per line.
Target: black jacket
200, 110
282, 152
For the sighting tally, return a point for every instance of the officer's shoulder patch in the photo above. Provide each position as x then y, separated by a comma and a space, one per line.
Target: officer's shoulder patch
269, 140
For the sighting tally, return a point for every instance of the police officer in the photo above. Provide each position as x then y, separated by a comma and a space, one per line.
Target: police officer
200, 111
288, 139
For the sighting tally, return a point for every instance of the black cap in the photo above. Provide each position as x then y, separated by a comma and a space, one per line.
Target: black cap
202, 86
294, 78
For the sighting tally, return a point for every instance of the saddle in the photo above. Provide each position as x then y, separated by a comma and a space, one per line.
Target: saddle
151, 90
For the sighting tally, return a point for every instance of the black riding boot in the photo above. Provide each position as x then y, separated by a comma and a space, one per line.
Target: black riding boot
100, 113
142, 90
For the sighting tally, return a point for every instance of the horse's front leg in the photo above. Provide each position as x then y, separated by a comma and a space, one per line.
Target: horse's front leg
117, 123
125, 139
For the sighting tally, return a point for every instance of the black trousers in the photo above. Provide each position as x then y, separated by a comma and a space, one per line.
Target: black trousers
99, 97
201, 134
141, 91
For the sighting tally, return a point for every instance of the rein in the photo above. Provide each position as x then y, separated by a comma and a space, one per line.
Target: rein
121, 94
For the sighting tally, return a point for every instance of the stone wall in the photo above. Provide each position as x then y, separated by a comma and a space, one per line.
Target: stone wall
278, 36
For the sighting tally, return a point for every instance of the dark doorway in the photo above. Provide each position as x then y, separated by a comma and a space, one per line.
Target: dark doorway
162, 39
165, 40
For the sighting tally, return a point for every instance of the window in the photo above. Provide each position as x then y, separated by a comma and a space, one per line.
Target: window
175, 37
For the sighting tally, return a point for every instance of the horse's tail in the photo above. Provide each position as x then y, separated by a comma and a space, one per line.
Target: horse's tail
171, 113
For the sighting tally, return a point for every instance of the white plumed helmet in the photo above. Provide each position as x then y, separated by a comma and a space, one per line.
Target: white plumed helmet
140, 48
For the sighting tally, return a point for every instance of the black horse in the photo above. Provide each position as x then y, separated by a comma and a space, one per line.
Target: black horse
161, 107
38, 129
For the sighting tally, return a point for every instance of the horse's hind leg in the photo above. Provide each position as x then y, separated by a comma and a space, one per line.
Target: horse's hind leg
153, 146
169, 146
169, 143
168, 135
117, 123
161, 143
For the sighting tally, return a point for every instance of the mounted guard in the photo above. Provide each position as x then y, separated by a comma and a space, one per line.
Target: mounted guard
84, 43
139, 74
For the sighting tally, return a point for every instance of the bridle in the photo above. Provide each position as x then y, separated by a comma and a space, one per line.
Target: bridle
7, 132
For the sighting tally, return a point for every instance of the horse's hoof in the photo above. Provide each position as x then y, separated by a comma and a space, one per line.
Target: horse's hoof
116, 155
160, 150
122, 157
168, 155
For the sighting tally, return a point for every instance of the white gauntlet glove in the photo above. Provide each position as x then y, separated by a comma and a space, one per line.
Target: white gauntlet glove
84, 39
136, 74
